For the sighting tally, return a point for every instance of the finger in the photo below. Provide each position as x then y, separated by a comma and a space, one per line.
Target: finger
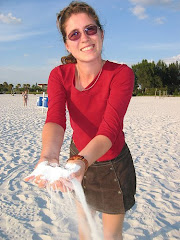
61, 185
30, 178
56, 185
37, 179
66, 183
42, 184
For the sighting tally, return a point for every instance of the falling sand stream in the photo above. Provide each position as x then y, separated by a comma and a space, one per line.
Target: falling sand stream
53, 173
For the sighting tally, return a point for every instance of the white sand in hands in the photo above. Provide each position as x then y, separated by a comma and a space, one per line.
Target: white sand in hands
52, 173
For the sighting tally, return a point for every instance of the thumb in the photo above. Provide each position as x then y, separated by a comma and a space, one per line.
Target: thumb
29, 178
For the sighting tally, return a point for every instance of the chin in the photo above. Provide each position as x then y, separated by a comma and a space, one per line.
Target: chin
89, 58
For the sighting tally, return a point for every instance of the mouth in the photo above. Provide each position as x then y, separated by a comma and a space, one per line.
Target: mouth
87, 48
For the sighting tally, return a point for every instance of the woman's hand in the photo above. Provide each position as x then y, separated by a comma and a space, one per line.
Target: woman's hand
38, 179
63, 183
80, 173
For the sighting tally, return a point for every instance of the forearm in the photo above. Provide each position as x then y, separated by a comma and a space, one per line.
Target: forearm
52, 139
96, 148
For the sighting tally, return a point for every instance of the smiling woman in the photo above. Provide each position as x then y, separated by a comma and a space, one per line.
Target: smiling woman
63, 16
97, 93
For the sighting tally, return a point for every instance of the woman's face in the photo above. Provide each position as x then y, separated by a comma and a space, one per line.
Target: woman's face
88, 47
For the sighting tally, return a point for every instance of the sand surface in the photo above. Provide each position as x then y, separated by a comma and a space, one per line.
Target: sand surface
152, 129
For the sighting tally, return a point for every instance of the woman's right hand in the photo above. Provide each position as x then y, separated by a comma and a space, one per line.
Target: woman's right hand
37, 179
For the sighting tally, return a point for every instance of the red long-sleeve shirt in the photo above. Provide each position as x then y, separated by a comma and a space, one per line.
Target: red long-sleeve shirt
97, 111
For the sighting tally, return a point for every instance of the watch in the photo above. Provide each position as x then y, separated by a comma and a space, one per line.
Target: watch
81, 158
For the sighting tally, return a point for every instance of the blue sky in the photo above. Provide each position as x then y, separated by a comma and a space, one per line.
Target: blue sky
30, 44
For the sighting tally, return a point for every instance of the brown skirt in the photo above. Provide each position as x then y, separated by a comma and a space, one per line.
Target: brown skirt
110, 186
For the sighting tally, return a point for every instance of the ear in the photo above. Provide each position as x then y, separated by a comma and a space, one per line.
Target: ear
67, 47
102, 35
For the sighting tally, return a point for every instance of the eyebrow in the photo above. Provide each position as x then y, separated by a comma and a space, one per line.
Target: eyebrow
76, 29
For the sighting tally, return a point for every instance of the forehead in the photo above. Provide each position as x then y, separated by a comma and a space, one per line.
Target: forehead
78, 21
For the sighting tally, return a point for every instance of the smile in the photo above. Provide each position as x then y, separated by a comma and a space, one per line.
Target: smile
87, 48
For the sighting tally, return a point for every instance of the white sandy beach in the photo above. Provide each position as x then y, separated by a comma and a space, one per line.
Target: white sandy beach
152, 129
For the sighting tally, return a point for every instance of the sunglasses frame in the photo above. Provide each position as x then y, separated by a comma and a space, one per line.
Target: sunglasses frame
85, 30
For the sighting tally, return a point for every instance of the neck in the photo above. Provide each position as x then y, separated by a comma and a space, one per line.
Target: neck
86, 72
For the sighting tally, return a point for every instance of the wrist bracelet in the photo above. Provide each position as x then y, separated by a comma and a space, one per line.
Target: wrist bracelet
81, 158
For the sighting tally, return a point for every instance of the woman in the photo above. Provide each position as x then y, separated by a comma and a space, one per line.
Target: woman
97, 94
25, 98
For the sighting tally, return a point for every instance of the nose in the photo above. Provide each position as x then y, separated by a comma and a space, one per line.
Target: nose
84, 37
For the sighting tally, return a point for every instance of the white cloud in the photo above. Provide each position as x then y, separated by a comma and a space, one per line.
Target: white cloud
139, 12
172, 59
159, 20
140, 6
9, 19
151, 2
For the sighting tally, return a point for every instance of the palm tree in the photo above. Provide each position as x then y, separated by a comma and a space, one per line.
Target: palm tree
5, 84
18, 86
10, 87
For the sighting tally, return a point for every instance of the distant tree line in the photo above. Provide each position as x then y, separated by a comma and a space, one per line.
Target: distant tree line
151, 78
19, 88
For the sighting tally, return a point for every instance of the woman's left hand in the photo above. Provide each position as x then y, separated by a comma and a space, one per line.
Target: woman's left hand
80, 173
65, 184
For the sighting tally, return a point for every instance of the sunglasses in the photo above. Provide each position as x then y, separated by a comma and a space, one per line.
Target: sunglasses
89, 31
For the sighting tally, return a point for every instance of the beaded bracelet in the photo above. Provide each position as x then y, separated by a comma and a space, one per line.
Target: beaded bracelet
81, 158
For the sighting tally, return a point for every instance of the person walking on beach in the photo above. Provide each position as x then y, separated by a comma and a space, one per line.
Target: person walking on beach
97, 93
25, 97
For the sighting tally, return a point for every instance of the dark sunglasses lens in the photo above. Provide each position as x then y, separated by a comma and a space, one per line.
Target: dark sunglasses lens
91, 30
74, 36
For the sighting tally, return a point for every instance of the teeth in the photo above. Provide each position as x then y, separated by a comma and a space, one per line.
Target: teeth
87, 48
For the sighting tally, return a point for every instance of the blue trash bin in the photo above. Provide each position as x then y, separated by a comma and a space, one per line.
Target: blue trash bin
45, 102
39, 101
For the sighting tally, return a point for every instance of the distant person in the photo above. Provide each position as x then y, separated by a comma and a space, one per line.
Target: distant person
97, 93
25, 97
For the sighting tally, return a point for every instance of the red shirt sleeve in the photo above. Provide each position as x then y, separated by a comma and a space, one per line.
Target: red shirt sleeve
121, 89
56, 99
